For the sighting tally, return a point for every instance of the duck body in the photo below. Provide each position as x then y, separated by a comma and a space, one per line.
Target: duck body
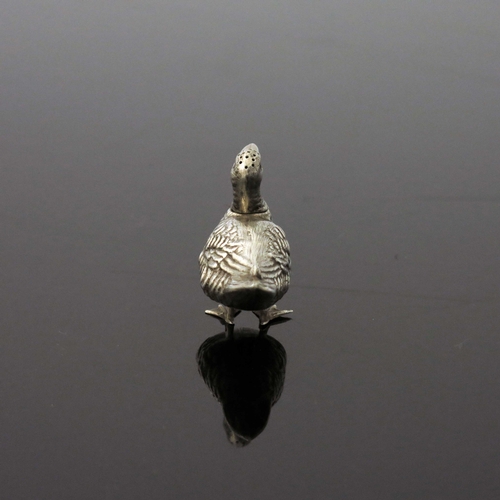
245, 264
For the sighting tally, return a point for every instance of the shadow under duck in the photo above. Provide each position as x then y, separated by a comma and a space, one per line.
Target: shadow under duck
246, 373
245, 264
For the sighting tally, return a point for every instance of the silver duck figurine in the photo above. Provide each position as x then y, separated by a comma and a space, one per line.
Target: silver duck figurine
245, 264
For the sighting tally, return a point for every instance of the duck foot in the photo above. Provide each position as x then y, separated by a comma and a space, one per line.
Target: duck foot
225, 314
263, 329
270, 314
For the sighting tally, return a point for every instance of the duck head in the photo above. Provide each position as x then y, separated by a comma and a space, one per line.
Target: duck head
246, 176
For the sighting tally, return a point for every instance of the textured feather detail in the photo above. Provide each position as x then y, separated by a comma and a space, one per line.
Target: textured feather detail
220, 258
277, 264
245, 251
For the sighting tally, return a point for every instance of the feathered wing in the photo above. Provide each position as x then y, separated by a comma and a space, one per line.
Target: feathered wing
276, 262
221, 258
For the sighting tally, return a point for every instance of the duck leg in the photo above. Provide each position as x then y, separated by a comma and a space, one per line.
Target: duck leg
224, 313
270, 314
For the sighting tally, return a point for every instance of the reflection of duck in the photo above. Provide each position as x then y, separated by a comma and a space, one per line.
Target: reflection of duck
246, 373
245, 264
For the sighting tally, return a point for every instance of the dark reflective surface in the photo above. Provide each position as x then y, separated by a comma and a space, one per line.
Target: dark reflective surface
245, 371
378, 127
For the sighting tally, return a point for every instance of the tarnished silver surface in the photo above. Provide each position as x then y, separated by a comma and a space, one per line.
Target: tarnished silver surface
245, 264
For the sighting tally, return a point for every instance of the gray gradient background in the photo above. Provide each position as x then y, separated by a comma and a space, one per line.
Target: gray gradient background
379, 127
